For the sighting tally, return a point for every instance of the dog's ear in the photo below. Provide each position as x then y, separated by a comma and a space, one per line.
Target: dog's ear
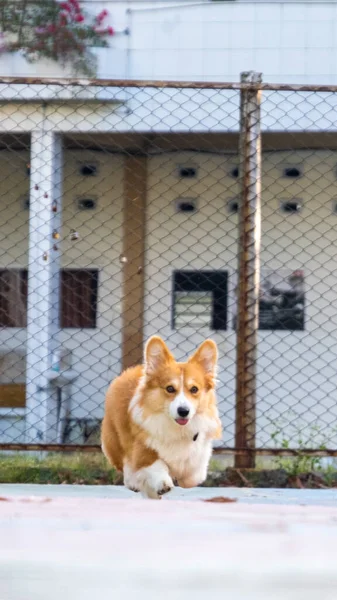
207, 357
156, 355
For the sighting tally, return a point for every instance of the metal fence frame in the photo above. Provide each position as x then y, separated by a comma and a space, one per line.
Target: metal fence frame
250, 88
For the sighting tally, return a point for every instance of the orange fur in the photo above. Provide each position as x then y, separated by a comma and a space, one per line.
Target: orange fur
141, 434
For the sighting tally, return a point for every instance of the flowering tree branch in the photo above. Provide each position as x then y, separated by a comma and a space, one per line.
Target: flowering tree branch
59, 31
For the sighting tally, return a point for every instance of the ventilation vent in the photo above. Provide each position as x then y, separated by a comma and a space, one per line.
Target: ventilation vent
233, 206
292, 172
187, 172
186, 205
88, 169
25, 202
87, 203
291, 206
234, 172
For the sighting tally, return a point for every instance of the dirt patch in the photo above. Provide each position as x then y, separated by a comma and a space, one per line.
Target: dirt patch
273, 478
221, 499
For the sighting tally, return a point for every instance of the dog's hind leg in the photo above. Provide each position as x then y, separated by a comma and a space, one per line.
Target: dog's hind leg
130, 477
111, 446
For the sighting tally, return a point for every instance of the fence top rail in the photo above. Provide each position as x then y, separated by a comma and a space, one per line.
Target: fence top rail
199, 85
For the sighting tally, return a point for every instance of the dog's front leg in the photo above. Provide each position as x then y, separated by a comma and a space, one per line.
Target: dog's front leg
196, 472
151, 473
193, 479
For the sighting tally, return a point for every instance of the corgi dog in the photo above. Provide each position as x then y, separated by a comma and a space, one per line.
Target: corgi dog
160, 419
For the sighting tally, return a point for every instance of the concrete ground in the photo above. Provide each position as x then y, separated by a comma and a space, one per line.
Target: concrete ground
79, 542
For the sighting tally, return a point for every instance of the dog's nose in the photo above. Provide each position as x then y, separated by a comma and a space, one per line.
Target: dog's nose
182, 411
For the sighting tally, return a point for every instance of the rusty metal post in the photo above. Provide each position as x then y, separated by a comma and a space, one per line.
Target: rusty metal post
248, 268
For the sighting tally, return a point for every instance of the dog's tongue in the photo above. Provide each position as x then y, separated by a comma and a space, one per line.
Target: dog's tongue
182, 421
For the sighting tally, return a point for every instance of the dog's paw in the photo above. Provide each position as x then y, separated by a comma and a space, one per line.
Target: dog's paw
167, 487
156, 488
155, 480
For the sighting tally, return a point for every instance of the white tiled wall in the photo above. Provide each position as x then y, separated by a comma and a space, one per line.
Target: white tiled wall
96, 353
289, 42
297, 378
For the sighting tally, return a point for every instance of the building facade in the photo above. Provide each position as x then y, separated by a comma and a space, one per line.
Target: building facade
118, 203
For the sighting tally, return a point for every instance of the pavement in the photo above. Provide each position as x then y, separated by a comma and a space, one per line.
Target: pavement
80, 542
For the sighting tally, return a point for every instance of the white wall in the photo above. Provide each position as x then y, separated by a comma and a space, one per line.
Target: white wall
96, 352
297, 378
289, 42
296, 371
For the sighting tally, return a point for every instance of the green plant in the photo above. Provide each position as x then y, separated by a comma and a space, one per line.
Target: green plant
303, 462
329, 475
60, 31
74, 468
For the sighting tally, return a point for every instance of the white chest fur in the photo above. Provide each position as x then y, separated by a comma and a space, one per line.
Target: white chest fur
185, 457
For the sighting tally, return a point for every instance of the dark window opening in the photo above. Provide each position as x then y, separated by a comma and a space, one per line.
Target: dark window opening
13, 297
291, 206
233, 206
188, 172
200, 299
88, 170
79, 298
78, 305
292, 172
186, 206
86, 204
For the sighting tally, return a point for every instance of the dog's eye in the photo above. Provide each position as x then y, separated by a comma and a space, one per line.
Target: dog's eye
170, 389
194, 389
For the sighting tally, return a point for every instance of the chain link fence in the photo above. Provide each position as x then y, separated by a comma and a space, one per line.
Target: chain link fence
130, 209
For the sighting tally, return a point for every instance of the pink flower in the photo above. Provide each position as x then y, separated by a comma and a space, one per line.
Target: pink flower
65, 6
63, 18
79, 18
101, 16
105, 31
51, 28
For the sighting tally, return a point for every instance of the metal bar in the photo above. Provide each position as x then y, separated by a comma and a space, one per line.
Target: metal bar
136, 83
275, 452
69, 101
118, 83
50, 447
248, 269
220, 450
135, 188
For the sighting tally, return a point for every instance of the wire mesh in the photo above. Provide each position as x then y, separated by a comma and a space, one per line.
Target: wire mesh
119, 220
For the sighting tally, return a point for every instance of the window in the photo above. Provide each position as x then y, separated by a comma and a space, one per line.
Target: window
200, 299
78, 308
281, 300
79, 298
13, 297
